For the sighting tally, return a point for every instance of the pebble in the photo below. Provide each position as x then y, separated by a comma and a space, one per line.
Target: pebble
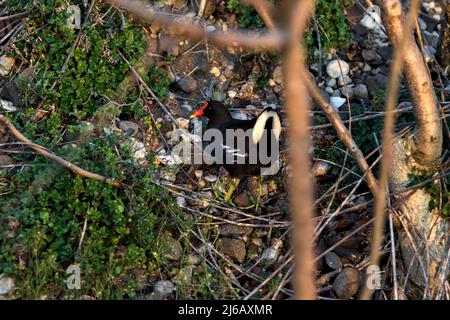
6, 284
242, 200
232, 94
187, 107
202, 184
375, 82
432, 38
129, 127
333, 261
6, 64
321, 168
346, 284
246, 90
138, 149
335, 67
168, 175
336, 93
234, 248
345, 80
7, 105
210, 28
187, 84
429, 53
239, 115
198, 174
337, 102
331, 83
329, 90
370, 55
181, 201
366, 68
228, 73
211, 178
163, 288
422, 24
360, 91
347, 91
205, 199
270, 255
215, 71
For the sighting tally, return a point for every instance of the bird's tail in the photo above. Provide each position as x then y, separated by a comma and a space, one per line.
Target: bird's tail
263, 123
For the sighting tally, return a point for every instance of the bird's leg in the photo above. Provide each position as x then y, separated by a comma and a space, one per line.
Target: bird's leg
233, 185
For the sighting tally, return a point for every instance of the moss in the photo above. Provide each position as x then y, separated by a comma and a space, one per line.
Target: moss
331, 26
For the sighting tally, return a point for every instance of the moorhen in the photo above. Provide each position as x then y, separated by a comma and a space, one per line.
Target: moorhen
252, 161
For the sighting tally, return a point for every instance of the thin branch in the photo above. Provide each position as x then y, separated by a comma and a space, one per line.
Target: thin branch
42, 151
341, 130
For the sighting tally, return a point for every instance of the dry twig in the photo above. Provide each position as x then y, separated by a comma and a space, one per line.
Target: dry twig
48, 154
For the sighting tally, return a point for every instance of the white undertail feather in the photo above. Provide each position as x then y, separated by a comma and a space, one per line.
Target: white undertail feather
234, 152
258, 129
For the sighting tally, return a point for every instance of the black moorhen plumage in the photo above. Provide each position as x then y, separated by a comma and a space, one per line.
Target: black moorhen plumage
220, 118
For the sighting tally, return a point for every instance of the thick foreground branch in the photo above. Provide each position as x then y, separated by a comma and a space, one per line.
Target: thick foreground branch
428, 135
423, 234
194, 30
301, 194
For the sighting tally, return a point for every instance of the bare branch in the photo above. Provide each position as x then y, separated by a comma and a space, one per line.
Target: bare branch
42, 151
194, 30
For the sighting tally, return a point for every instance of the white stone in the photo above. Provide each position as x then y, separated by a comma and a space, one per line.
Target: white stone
6, 284
372, 19
163, 288
337, 102
239, 115
7, 106
211, 178
232, 94
6, 64
331, 83
337, 68
181, 201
